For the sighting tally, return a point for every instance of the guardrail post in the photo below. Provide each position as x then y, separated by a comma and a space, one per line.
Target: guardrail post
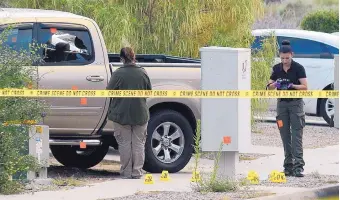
226, 121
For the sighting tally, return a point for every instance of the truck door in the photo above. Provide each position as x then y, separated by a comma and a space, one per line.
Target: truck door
72, 59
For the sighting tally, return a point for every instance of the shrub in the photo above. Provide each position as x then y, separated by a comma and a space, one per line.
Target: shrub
16, 114
322, 21
262, 62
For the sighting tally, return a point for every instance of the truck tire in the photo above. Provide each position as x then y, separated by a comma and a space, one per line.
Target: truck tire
69, 156
177, 144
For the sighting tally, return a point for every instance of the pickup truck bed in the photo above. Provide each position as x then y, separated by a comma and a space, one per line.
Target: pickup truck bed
155, 58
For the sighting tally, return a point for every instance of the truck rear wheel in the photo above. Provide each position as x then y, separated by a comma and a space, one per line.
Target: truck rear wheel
169, 142
73, 156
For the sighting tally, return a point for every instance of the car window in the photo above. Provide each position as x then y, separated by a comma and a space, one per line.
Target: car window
332, 50
17, 38
257, 43
65, 46
304, 48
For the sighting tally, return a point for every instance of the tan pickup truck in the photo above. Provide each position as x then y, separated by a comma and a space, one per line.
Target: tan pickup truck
76, 58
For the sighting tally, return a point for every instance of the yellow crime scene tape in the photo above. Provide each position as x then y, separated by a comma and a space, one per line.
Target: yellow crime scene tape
171, 93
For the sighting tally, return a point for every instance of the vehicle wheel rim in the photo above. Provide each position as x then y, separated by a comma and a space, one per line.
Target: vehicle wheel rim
167, 142
329, 107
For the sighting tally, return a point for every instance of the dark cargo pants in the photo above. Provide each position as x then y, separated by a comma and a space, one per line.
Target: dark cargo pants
291, 121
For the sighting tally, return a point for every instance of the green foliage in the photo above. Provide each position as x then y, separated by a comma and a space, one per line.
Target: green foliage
262, 62
17, 71
322, 21
178, 27
197, 145
327, 2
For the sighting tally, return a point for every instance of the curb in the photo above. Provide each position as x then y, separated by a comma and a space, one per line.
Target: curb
316, 193
308, 122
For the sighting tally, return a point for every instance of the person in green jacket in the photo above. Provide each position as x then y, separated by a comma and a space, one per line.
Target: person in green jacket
130, 116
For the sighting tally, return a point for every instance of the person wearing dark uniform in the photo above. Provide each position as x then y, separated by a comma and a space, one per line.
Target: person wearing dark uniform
290, 75
130, 116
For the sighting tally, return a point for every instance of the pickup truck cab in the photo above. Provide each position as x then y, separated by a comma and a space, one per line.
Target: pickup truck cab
75, 57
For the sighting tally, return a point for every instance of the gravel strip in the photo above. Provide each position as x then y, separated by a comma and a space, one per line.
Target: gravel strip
267, 134
308, 181
155, 195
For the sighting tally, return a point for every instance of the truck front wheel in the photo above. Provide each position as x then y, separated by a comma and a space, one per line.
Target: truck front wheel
169, 142
73, 156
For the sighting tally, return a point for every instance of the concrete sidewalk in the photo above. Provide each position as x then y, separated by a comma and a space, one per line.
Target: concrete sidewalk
323, 160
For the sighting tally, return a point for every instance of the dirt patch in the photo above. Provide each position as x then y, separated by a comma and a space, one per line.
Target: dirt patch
156, 195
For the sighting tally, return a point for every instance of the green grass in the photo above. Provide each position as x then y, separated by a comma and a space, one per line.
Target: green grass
68, 182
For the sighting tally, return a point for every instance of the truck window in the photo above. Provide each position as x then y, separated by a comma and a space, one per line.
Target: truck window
66, 46
16, 38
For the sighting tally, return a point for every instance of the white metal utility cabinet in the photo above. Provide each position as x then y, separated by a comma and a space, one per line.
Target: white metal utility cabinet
226, 120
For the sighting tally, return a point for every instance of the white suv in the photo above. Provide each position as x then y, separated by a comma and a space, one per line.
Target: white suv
315, 51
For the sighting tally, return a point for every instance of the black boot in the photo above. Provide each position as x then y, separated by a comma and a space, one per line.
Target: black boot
288, 172
298, 172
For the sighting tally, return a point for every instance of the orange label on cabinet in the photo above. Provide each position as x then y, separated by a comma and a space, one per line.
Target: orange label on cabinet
226, 140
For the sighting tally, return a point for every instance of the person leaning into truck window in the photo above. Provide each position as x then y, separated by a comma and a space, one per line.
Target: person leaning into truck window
130, 116
290, 75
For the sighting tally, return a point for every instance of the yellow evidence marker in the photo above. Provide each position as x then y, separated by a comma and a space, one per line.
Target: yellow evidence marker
165, 176
148, 179
277, 177
253, 177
